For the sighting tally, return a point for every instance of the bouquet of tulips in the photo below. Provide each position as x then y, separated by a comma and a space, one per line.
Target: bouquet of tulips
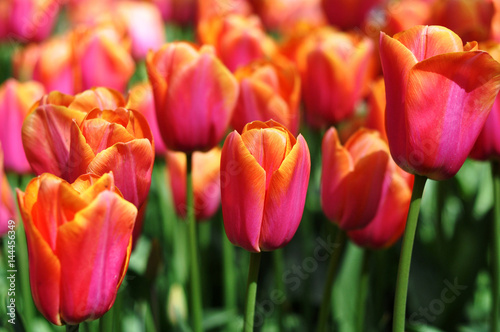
244, 165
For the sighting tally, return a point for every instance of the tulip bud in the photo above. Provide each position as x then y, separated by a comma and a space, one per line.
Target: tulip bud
15, 102
264, 179
32, 20
79, 242
194, 94
430, 133
206, 182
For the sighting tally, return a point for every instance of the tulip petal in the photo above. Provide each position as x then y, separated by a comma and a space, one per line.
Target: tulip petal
130, 163
243, 189
99, 236
448, 100
285, 198
44, 267
102, 98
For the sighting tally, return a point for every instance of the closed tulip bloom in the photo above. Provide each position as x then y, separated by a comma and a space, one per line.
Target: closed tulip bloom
206, 182
334, 67
353, 177
195, 95
348, 14
7, 207
79, 242
487, 145
439, 94
390, 219
238, 39
141, 99
32, 20
269, 89
264, 179
15, 101
376, 107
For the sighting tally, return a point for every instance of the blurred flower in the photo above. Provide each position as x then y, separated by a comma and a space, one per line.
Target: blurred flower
269, 89
140, 98
264, 179
376, 108
353, 176
194, 94
238, 39
79, 243
176, 307
334, 69
15, 102
7, 207
348, 14
178, 11
283, 15
206, 182
208, 9
432, 133
28, 20
470, 19
390, 219
487, 145
24, 60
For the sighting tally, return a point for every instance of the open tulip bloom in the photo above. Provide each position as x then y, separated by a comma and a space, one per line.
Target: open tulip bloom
439, 94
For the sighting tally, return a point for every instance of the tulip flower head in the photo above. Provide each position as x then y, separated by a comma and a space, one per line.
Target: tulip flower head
194, 94
264, 179
439, 94
79, 242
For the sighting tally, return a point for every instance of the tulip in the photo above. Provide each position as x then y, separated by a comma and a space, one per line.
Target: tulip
194, 94
376, 107
334, 69
353, 176
79, 243
7, 207
208, 9
269, 89
32, 20
24, 60
206, 182
179, 11
15, 101
144, 25
264, 179
432, 133
471, 20
238, 39
487, 145
141, 99
390, 219
348, 14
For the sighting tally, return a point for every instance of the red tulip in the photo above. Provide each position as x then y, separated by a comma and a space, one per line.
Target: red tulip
179, 11
334, 69
238, 39
439, 94
348, 14
7, 207
376, 107
15, 102
353, 177
269, 89
141, 98
195, 96
264, 178
79, 242
206, 182
487, 145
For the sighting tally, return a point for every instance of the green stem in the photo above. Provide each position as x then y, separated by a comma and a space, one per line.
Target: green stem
363, 290
229, 276
495, 313
278, 259
193, 250
253, 275
330, 277
399, 318
106, 321
74, 328
22, 257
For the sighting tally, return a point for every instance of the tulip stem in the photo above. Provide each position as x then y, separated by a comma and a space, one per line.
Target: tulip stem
495, 310
364, 281
278, 259
72, 328
399, 318
193, 250
253, 275
332, 269
106, 321
229, 278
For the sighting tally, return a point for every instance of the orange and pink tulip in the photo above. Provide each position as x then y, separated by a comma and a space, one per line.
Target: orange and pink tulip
79, 242
430, 133
264, 178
